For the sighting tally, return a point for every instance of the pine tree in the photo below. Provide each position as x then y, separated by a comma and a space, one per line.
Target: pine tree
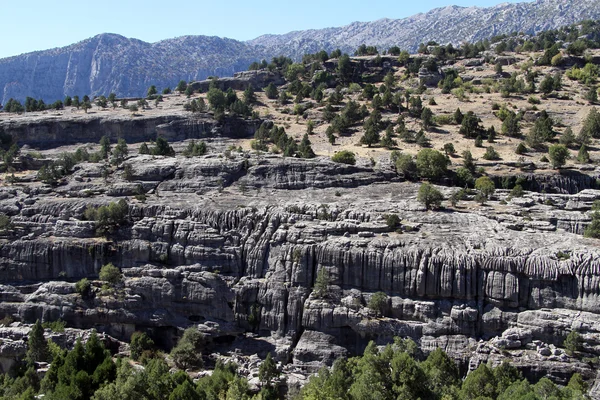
267, 371
388, 141
305, 149
583, 156
37, 347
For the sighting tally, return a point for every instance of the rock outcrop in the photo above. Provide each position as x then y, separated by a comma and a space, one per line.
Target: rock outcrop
234, 246
54, 131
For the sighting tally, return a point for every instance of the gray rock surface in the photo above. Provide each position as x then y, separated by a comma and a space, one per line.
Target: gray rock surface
233, 246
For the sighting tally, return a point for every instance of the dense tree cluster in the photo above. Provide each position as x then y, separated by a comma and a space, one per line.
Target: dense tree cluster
396, 372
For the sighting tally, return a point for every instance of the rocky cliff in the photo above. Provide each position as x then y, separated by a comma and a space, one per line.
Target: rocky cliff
112, 63
233, 243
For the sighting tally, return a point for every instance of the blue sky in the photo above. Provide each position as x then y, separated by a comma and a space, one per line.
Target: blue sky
43, 24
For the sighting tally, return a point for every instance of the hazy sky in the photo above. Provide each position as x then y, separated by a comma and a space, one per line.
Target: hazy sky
43, 24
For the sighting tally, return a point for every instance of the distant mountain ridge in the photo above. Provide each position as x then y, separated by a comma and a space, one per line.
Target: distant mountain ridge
112, 63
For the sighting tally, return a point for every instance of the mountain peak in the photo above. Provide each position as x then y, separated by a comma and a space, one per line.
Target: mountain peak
110, 62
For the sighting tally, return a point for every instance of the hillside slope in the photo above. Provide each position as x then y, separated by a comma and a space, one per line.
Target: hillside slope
112, 63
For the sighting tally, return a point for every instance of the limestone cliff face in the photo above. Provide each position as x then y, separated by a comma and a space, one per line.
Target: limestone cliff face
234, 246
50, 132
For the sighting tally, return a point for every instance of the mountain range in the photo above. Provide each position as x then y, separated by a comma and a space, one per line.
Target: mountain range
112, 63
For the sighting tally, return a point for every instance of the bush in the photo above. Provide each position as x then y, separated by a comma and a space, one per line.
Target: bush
109, 217
55, 326
83, 287
573, 343
378, 303
429, 196
517, 191
431, 164
321, 288
521, 149
186, 354
559, 154
110, 274
140, 343
344, 157
195, 149
485, 186
406, 165
5, 223
491, 154
392, 221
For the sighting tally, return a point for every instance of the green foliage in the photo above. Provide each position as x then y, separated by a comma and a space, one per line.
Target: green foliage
449, 149
583, 156
429, 196
480, 384
83, 287
431, 164
427, 118
344, 157
469, 126
271, 91
181, 86
195, 149
517, 191
140, 343
392, 221
110, 274
79, 373
144, 149
485, 186
586, 75
108, 218
591, 126
388, 140
573, 343
405, 165
268, 371
162, 148
441, 372
120, 152
511, 126
5, 223
37, 347
305, 149
321, 288
186, 354
521, 149
55, 326
491, 154
559, 154
378, 303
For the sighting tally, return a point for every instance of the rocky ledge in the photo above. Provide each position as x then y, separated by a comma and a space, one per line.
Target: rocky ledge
231, 244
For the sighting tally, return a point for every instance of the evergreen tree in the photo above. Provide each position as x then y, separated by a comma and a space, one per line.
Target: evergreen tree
469, 126
305, 149
181, 86
583, 156
427, 118
267, 371
559, 154
567, 138
151, 91
388, 139
37, 347
321, 288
